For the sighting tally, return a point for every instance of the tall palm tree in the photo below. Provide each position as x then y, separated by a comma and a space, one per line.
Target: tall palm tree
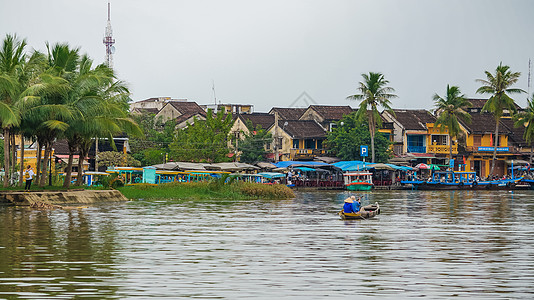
449, 110
526, 119
373, 92
499, 86
98, 102
12, 55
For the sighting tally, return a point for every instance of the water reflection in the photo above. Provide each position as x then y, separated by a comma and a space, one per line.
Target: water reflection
425, 243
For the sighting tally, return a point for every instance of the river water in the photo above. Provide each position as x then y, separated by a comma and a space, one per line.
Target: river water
438, 244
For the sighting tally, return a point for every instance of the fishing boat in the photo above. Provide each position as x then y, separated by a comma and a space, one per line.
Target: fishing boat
358, 181
369, 211
456, 180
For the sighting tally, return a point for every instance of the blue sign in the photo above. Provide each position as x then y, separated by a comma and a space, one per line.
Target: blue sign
364, 151
499, 149
451, 163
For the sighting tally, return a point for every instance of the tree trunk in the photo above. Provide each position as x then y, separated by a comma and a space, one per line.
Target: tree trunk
21, 170
372, 130
13, 157
44, 173
96, 154
38, 163
6, 157
68, 171
81, 158
495, 148
530, 154
450, 150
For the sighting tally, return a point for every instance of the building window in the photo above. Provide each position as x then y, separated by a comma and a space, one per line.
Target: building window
477, 140
309, 144
296, 143
416, 143
439, 139
319, 144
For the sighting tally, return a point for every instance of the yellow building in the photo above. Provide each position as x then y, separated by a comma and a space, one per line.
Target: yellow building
480, 143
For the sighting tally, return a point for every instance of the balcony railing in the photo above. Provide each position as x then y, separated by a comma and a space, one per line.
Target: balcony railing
416, 149
442, 149
305, 153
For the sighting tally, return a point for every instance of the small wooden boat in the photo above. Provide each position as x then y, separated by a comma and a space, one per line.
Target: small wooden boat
369, 211
358, 181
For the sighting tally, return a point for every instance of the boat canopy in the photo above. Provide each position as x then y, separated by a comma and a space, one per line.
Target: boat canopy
352, 165
271, 175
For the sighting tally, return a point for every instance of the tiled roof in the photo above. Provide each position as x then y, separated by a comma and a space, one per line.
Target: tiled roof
482, 123
302, 129
145, 110
479, 103
516, 133
286, 113
265, 120
414, 119
329, 112
187, 107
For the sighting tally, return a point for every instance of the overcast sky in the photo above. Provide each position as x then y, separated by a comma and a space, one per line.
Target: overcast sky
267, 53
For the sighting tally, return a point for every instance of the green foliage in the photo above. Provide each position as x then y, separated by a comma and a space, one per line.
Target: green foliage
207, 191
204, 140
153, 147
449, 110
253, 146
112, 158
345, 140
526, 119
373, 93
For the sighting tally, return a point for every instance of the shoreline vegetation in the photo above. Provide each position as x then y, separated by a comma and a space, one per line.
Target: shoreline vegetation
207, 190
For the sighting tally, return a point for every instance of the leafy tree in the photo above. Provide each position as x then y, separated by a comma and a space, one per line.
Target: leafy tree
351, 133
113, 158
373, 92
449, 110
252, 148
499, 86
526, 119
204, 140
153, 146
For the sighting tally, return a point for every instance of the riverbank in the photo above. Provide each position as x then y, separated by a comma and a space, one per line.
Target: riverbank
53, 198
207, 190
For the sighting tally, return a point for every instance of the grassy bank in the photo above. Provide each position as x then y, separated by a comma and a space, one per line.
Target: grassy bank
207, 190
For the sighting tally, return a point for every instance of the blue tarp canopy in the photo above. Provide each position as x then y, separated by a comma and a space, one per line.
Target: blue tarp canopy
400, 168
305, 169
352, 165
271, 175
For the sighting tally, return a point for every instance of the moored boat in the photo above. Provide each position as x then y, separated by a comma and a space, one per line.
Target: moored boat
358, 181
449, 180
369, 211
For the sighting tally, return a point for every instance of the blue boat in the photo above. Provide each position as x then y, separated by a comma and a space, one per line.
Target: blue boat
455, 180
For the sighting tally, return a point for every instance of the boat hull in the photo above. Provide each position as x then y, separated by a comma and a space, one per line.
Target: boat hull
359, 187
482, 185
369, 211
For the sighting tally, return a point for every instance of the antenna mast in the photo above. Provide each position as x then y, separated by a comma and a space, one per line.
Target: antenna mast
214, 96
109, 41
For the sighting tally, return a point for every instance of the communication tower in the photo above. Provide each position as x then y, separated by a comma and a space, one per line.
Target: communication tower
109, 41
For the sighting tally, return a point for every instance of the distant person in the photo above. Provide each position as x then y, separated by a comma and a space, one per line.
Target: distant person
28, 175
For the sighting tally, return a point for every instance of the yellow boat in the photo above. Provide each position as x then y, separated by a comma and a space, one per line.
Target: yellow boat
369, 211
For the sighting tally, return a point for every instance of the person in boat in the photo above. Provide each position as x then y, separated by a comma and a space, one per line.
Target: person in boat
352, 205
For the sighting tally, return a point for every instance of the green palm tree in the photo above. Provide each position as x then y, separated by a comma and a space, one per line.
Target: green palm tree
526, 119
12, 56
373, 92
450, 110
99, 102
499, 86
